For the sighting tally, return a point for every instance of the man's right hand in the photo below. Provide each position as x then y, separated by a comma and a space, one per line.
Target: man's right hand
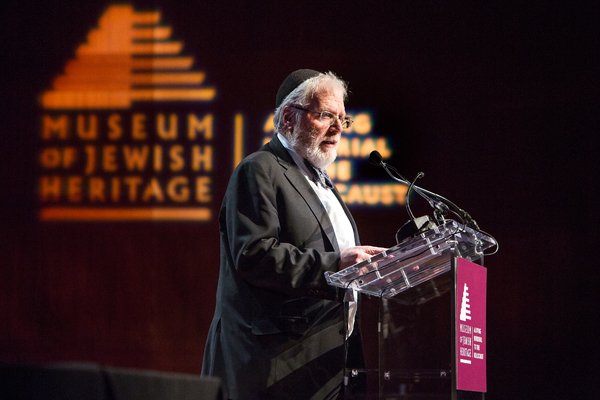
357, 254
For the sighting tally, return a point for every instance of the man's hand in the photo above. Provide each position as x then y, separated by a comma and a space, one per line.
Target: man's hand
356, 254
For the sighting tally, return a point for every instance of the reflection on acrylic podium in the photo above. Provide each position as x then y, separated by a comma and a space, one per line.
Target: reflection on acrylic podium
422, 317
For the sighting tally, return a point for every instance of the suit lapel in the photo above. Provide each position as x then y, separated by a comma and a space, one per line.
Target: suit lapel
298, 180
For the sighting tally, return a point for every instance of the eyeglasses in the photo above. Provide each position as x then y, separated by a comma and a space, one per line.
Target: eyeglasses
329, 118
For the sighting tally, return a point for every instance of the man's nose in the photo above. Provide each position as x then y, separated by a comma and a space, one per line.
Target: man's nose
337, 124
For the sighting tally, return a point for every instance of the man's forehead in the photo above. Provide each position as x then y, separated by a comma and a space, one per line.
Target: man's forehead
328, 99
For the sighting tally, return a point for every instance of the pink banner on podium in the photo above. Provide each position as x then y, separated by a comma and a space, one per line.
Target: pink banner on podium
471, 287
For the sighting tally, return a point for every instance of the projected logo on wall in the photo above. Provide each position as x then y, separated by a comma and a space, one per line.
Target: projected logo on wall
110, 155
122, 138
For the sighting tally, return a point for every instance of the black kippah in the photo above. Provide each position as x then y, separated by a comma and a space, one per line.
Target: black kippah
292, 82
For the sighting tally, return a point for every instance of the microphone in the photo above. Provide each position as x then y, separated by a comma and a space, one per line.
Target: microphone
437, 202
375, 158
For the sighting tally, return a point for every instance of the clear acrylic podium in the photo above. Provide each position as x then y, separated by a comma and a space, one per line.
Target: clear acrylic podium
408, 318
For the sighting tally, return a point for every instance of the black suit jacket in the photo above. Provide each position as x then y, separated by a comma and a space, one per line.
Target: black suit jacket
278, 329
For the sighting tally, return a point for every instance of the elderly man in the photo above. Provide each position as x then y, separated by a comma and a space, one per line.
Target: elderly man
279, 330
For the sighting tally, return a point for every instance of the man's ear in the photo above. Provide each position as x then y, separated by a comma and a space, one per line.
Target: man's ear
288, 117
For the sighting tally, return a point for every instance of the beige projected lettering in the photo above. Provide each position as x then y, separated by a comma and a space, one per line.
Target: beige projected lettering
373, 194
111, 158
87, 127
361, 147
131, 189
96, 145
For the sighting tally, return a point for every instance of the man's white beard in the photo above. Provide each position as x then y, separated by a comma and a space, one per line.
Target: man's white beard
306, 144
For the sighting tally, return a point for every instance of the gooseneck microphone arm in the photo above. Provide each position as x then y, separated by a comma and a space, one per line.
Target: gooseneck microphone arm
437, 202
410, 188
441, 209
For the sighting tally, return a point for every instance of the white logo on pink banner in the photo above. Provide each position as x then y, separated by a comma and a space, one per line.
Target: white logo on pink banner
470, 329
465, 313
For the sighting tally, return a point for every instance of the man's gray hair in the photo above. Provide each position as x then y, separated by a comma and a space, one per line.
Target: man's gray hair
303, 94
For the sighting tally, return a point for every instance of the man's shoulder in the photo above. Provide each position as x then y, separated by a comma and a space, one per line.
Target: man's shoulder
261, 162
270, 153
262, 156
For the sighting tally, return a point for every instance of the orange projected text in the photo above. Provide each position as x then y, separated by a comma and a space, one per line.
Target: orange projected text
136, 159
129, 189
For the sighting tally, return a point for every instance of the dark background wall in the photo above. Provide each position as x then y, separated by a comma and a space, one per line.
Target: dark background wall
496, 102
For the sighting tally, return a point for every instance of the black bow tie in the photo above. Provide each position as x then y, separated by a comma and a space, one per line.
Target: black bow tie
320, 176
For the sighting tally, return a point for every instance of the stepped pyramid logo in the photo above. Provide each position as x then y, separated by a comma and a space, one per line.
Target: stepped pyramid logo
465, 312
128, 58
